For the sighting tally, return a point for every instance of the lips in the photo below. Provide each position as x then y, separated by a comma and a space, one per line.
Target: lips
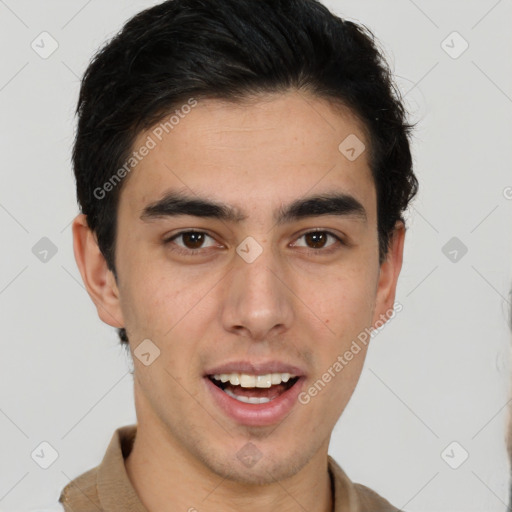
255, 368
255, 394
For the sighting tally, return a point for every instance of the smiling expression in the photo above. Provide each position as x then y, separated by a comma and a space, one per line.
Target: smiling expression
247, 243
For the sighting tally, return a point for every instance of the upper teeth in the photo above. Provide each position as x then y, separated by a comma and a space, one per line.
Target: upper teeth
254, 381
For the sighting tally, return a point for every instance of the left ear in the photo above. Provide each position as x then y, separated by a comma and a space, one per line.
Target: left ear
389, 272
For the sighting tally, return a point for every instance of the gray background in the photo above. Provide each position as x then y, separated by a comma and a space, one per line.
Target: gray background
437, 373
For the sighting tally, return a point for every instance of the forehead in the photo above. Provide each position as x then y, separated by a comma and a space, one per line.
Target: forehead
275, 147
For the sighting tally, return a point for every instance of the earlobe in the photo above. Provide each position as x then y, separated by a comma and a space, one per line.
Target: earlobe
98, 279
389, 272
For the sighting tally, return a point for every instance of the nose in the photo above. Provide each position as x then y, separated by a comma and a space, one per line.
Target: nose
258, 302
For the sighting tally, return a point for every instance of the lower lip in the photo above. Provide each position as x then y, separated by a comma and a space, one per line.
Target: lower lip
259, 415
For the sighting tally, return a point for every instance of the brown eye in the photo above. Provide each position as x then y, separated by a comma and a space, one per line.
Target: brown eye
190, 242
316, 239
193, 239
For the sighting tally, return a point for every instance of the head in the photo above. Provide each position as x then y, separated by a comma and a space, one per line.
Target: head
210, 129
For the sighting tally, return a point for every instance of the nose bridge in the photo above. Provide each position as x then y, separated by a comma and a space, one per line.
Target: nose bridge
256, 300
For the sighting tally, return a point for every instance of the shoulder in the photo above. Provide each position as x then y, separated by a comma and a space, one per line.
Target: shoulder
351, 496
81, 493
370, 501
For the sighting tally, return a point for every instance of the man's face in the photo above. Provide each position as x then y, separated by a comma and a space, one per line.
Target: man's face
211, 299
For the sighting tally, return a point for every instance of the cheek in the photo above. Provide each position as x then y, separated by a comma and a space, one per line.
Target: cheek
145, 299
171, 311
345, 304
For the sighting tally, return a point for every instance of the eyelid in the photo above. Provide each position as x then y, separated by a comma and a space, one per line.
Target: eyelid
340, 241
172, 237
338, 238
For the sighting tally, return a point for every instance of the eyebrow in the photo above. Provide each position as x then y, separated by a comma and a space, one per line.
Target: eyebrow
174, 204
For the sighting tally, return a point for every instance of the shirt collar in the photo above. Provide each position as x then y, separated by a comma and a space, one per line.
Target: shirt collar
115, 490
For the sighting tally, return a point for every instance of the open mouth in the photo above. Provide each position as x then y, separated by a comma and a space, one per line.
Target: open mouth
254, 389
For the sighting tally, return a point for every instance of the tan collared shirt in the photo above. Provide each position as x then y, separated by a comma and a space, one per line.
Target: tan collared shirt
107, 488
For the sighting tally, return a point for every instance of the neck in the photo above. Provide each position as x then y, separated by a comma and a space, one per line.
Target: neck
167, 478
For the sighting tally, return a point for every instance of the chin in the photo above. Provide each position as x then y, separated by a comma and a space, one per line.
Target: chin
251, 466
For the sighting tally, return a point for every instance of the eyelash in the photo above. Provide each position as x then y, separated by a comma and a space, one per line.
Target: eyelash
195, 252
